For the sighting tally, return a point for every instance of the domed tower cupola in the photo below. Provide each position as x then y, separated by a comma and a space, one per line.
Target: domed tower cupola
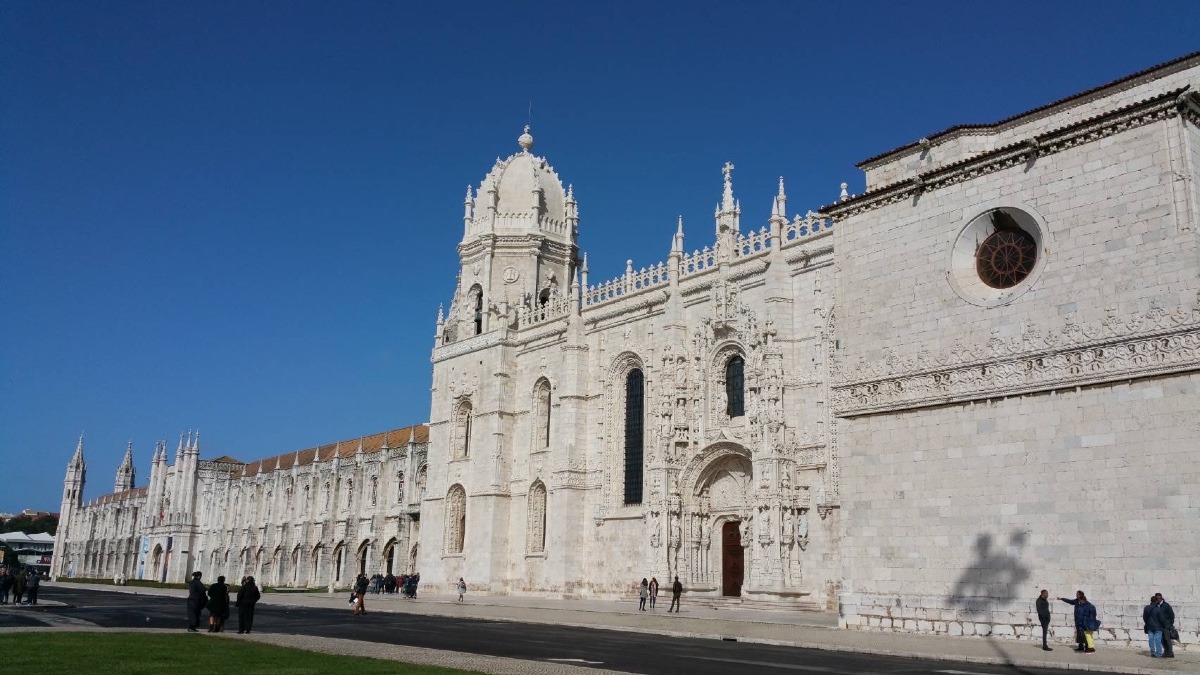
520, 228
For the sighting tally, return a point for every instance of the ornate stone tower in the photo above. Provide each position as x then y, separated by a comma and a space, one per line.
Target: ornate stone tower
519, 244
72, 500
125, 474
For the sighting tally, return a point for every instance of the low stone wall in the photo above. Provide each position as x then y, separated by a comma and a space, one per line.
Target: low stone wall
1121, 623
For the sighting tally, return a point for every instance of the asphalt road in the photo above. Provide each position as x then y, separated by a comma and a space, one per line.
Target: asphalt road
629, 652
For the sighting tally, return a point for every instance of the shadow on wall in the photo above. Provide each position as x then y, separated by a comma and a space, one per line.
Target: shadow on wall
994, 577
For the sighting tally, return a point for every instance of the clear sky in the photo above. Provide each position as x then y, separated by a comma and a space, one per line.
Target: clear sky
241, 217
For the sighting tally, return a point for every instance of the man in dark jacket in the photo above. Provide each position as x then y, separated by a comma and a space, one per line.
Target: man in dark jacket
1043, 612
247, 596
1152, 624
676, 592
197, 599
1167, 619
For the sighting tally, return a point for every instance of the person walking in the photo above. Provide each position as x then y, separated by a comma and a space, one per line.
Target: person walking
1167, 620
1085, 622
360, 594
461, 587
218, 605
197, 598
247, 597
676, 592
643, 594
33, 579
1152, 624
1043, 612
653, 591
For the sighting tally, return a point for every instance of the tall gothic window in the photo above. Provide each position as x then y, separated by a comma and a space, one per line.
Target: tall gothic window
400, 488
634, 418
541, 417
462, 430
536, 530
477, 292
456, 519
735, 391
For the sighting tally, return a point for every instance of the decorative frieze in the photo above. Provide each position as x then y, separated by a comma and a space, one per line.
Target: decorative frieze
1156, 342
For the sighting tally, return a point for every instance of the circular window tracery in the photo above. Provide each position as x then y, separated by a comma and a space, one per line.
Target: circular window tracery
997, 256
1006, 257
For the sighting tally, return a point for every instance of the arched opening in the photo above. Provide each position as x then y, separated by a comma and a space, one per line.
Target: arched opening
477, 302
364, 551
339, 562
389, 557
634, 435
315, 574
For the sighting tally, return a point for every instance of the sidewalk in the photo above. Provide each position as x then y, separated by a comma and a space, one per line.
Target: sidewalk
814, 630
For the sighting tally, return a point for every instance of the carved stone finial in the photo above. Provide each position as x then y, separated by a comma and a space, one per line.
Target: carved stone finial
525, 140
845, 192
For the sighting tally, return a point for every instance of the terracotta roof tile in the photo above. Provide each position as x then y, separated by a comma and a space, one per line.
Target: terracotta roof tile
418, 433
123, 495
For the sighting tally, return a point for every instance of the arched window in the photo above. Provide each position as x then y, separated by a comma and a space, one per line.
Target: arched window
541, 415
634, 418
456, 519
462, 430
477, 294
735, 386
400, 488
536, 529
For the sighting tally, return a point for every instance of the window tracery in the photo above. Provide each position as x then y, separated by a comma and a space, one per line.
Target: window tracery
541, 417
536, 528
456, 519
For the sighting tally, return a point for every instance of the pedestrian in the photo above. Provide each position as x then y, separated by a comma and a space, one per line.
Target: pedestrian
653, 591
360, 594
33, 579
389, 583
643, 593
247, 597
6, 582
218, 605
197, 599
1086, 623
1167, 619
1043, 612
461, 587
416, 579
18, 588
1152, 624
676, 591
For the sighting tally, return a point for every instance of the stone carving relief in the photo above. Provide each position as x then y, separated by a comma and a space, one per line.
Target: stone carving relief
1157, 341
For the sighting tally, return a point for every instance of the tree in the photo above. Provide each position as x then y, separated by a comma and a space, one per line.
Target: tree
28, 524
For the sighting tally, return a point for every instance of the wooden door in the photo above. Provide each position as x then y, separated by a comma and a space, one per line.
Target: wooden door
732, 559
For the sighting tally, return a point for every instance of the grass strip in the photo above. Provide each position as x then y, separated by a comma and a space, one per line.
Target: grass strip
157, 653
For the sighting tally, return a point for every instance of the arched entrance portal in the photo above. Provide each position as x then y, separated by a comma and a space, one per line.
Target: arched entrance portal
733, 559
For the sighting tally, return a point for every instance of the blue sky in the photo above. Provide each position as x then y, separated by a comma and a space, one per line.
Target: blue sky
241, 217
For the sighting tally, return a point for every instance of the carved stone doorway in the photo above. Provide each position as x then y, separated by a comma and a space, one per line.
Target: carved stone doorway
733, 559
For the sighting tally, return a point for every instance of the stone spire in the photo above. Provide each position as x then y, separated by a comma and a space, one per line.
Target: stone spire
125, 475
77, 458
779, 208
728, 216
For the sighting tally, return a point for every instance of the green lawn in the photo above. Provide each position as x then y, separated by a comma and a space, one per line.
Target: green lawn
158, 653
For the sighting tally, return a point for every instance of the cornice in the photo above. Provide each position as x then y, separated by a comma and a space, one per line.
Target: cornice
1163, 106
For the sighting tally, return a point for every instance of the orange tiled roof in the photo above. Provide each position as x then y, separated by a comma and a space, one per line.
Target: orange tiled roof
121, 496
418, 433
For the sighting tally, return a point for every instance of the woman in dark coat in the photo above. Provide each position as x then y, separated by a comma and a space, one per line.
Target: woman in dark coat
218, 605
247, 596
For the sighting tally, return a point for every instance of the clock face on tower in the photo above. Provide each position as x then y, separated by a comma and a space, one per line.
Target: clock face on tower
511, 275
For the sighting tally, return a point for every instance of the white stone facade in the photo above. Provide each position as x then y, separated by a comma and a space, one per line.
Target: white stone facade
854, 408
312, 518
995, 443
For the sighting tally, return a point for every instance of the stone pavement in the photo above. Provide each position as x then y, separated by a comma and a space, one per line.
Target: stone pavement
814, 630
